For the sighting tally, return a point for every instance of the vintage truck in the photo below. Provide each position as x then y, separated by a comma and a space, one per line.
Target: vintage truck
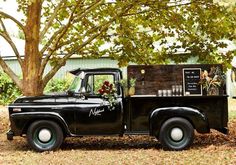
82, 111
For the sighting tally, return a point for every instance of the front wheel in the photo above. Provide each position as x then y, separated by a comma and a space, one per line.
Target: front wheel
44, 135
176, 134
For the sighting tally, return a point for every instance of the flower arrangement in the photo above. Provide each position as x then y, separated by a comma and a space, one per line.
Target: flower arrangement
108, 92
212, 80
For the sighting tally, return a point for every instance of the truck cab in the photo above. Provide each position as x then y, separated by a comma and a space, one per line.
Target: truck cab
94, 114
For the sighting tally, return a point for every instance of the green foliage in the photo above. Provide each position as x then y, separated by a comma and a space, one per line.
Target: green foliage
57, 85
132, 82
141, 31
232, 115
21, 35
8, 90
124, 83
196, 28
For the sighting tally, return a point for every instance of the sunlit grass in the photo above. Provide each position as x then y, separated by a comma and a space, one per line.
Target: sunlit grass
232, 115
232, 108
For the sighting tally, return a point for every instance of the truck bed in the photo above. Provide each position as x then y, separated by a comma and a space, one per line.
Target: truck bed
140, 107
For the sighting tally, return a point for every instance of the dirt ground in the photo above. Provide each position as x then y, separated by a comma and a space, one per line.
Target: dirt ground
214, 148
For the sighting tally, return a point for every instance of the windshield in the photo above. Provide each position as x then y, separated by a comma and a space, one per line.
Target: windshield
76, 84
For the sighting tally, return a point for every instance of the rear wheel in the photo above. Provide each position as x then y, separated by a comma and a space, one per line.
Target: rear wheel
44, 135
176, 134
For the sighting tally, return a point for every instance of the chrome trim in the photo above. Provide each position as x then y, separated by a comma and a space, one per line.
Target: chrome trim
55, 106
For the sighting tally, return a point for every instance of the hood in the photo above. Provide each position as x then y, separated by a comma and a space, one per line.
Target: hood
46, 98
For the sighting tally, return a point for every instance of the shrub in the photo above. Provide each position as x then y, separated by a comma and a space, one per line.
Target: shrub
8, 89
57, 85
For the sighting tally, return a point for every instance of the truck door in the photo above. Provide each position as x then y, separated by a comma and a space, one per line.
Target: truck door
96, 115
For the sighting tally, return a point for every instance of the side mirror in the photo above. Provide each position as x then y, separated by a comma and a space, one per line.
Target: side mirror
70, 93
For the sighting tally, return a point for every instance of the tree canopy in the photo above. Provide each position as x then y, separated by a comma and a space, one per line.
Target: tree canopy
140, 31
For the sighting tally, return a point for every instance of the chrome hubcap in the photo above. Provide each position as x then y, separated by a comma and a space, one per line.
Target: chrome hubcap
44, 135
176, 134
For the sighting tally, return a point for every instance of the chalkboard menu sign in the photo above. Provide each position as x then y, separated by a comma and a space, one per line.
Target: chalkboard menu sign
191, 78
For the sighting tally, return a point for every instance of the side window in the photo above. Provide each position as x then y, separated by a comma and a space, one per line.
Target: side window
95, 82
89, 85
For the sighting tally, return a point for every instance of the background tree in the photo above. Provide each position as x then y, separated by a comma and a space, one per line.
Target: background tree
126, 30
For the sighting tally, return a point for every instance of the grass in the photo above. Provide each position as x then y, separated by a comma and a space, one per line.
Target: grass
232, 115
214, 148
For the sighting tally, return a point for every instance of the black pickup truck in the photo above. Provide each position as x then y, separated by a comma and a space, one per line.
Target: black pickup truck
46, 120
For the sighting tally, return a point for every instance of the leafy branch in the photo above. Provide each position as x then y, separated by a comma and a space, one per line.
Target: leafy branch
7, 37
5, 15
51, 19
10, 72
78, 48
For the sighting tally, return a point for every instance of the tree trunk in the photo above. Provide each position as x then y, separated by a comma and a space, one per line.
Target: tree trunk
32, 80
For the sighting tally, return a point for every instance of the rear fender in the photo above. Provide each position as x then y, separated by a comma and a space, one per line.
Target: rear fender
194, 116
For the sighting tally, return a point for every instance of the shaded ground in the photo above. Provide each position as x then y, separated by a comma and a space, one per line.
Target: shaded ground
214, 148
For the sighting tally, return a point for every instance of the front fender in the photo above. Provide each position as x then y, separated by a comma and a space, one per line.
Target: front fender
21, 121
195, 117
